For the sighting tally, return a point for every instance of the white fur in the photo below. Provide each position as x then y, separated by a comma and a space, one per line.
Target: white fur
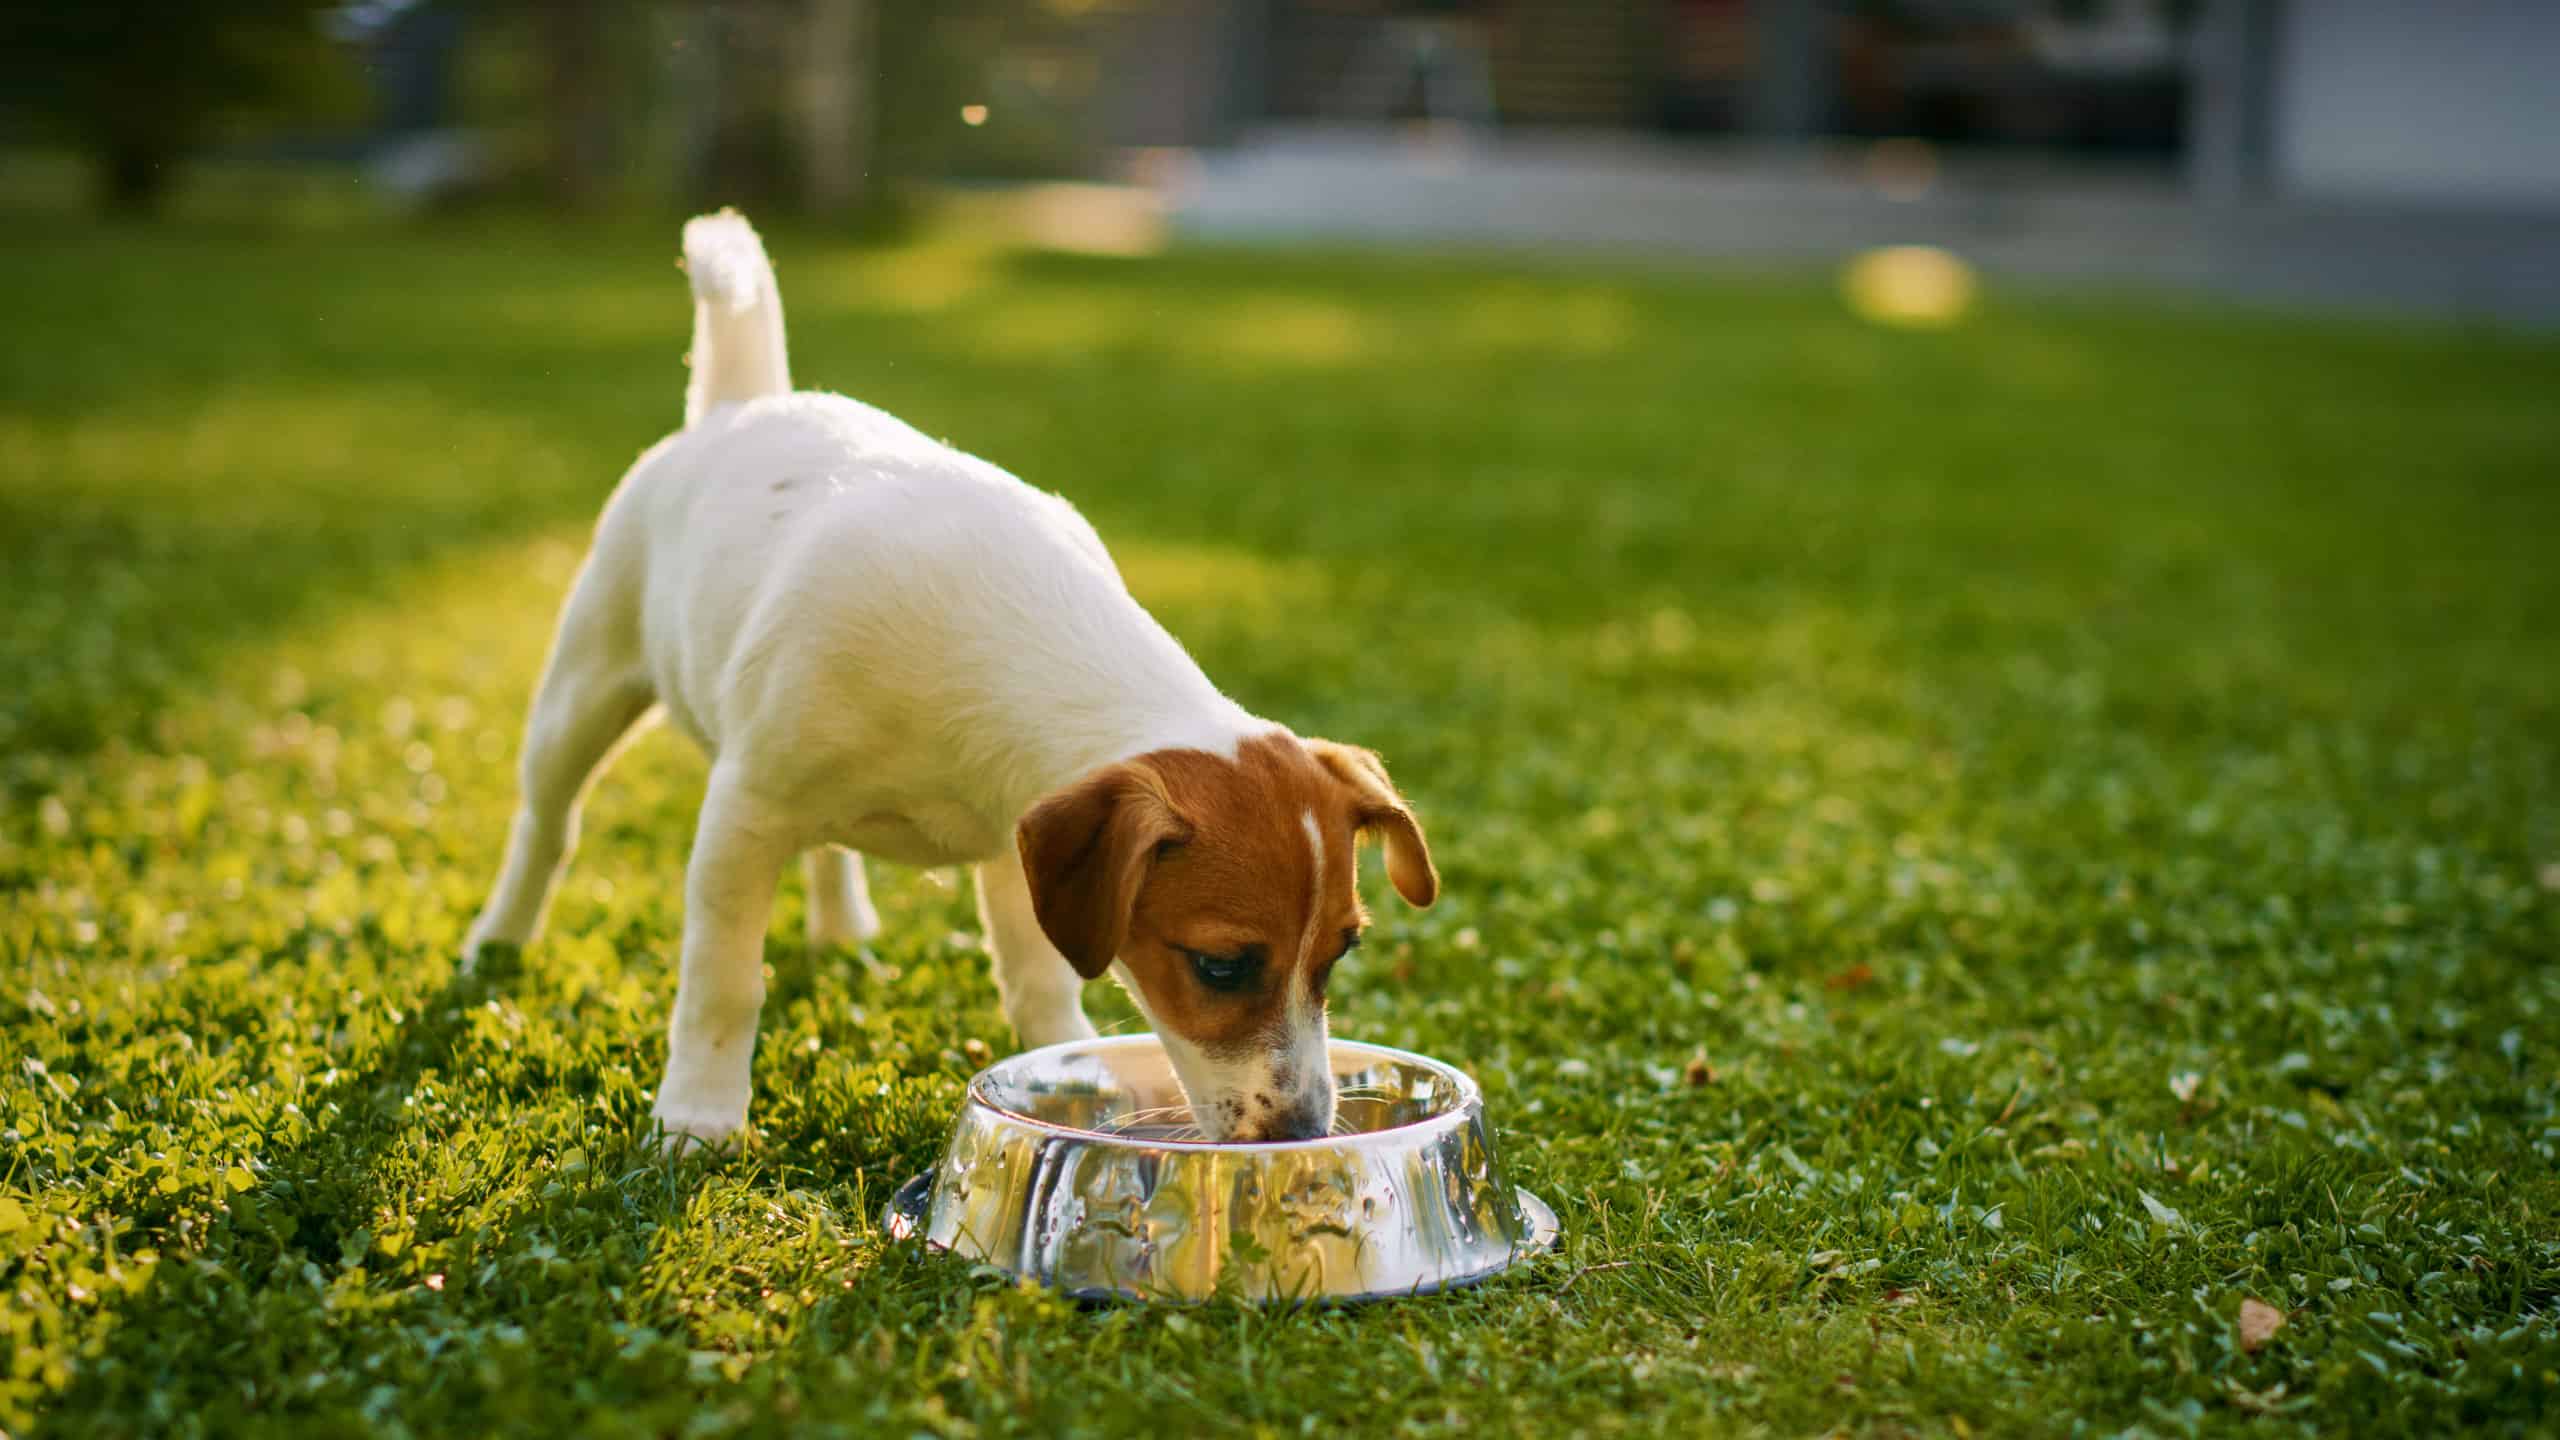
883, 644
738, 351
1304, 1055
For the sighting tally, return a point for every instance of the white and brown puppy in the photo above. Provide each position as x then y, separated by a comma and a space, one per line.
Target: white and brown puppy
888, 646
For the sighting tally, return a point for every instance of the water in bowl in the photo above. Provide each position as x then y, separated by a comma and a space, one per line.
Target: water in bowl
1133, 1095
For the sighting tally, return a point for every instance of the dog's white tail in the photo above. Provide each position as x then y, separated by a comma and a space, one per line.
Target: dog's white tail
738, 352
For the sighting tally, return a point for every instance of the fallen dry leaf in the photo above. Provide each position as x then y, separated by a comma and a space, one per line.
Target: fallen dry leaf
2261, 1402
2259, 1321
1852, 978
1698, 1071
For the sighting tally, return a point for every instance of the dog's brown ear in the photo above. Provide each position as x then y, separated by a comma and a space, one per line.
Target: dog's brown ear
1086, 850
1382, 812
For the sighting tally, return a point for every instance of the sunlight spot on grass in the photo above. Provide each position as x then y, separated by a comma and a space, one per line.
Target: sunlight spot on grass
961, 253
1578, 322
1184, 577
933, 275
622, 313
1290, 331
1050, 325
217, 459
337, 821
1249, 334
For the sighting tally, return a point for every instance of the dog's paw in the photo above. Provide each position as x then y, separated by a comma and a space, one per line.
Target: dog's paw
476, 950
860, 926
492, 962
683, 1128
485, 938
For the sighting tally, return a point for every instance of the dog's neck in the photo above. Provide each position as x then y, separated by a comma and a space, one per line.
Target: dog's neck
1106, 702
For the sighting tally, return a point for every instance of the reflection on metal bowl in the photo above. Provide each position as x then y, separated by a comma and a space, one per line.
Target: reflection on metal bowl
1068, 1166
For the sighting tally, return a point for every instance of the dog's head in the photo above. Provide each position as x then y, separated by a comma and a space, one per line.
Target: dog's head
1226, 890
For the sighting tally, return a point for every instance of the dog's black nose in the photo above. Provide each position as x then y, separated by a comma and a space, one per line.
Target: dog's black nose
1310, 1118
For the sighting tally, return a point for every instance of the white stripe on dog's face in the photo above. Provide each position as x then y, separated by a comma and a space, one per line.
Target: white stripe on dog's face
1304, 1056
1302, 995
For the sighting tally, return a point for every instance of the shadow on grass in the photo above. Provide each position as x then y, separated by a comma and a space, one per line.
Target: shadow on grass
203, 1298
564, 1227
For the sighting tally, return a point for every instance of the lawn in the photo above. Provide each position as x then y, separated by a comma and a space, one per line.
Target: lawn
1968, 856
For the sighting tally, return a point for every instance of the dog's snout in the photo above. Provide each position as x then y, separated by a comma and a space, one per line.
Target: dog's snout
1305, 1123
1307, 1116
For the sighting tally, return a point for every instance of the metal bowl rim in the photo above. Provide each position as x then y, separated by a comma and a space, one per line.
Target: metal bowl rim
1468, 1100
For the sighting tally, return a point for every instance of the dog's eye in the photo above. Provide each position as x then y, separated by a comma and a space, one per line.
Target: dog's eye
1228, 974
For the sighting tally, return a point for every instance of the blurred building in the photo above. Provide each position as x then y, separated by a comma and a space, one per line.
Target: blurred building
2343, 150
2359, 151
2450, 100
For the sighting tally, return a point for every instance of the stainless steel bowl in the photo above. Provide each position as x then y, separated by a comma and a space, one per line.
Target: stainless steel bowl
1067, 1166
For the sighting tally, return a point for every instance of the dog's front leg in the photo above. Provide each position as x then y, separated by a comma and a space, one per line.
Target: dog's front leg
1043, 997
739, 848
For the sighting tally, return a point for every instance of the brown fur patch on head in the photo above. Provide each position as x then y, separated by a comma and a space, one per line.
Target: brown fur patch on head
1382, 812
1087, 850
1182, 852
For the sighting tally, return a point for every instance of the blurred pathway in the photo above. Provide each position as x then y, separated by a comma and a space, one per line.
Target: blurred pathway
2012, 216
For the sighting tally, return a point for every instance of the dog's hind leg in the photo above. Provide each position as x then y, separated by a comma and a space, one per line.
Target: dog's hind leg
1042, 995
840, 911
738, 852
594, 694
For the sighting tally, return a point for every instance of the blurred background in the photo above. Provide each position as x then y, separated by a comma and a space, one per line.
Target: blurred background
2356, 152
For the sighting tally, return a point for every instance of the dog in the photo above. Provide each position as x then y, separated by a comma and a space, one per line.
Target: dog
888, 647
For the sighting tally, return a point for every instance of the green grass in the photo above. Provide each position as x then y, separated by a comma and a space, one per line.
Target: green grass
2087, 784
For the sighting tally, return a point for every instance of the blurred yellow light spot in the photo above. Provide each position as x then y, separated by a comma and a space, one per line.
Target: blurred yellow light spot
973, 114
1918, 287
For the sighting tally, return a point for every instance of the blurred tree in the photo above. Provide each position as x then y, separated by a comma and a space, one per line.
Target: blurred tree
1024, 67
140, 85
835, 104
832, 108
578, 118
